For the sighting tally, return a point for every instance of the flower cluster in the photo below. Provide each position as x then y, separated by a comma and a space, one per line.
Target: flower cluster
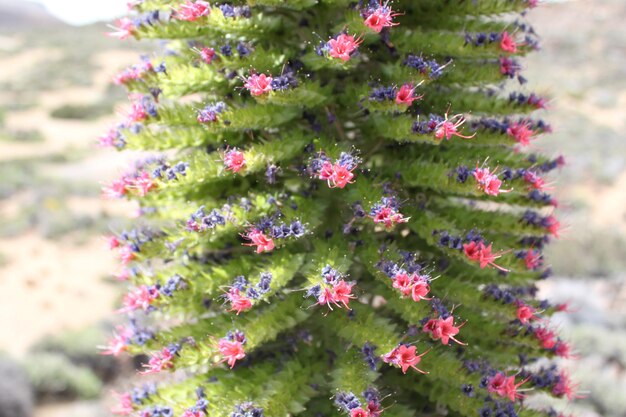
261, 84
113, 138
141, 108
128, 401
404, 95
506, 41
505, 386
342, 47
164, 171
193, 10
488, 181
209, 114
233, 12
139, 71
379, 16
201, 221
234, 160
247, 409
443, 329
162, 360
550, 341
521, 132
532, 99
350, 403
414, 285
173, 284
337, 174
141, 298
404, 357
263, 234
386, 212
231, 347
550, 223
428, 67
510, 67
482, 254
333, 290
503, 126
241, 293
442, 127
200, 408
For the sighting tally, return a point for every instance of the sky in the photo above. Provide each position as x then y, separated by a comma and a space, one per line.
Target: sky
79, 12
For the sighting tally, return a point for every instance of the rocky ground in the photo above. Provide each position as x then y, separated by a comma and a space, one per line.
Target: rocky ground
55, 272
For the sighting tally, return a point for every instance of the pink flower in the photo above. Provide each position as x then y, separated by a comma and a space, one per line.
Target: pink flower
343, 46
563, 350
533, 259
113, 242
482, 254
420, 290
535, 180
381, 18
340, 177
124, 29
234, 160
507, 43
262, 242
207, 55
231, 351
326, 172
117, 189
127, 255
258, 84
193, 10
565, 388
141, 298
403, 283
160, 361
448, 129
446, 330
389, 217
238, 302
342, 293
359, 412
193, 413
521, 132
552, 225
137, 112
125, 405
404, 357
406, 95
525, 313
143, 184
546, 337
488, 181
505, 386
118, 343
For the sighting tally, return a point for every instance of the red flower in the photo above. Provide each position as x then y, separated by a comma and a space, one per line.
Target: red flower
505, 386
546, 337
124, 29
125, 406
238, 302
521, 132
192, 11
340, 293
234, 160
482, 254
552, 225
143, 184
343, 46
341, 176
507, 43
207, 55
160, 361
231, 351
488, 181
525, 313
381, 18
262, 242
533, 259
404, 357
359, 412
448, 330
447, 129
565, 388
403, 282
406, 95
420, 290
258, 84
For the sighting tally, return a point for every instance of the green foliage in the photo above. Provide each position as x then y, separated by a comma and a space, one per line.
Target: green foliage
401, 240
53, 375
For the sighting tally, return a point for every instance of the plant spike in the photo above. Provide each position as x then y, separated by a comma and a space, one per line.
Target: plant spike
345, 219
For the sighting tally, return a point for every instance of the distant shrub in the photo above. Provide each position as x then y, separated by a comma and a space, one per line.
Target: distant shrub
82, 111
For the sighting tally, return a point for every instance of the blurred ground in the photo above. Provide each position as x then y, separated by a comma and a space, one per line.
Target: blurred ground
55, 99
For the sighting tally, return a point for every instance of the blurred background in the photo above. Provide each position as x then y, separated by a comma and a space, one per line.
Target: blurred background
57, 293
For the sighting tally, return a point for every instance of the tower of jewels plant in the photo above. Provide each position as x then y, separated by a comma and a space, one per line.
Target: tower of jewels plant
339, 214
